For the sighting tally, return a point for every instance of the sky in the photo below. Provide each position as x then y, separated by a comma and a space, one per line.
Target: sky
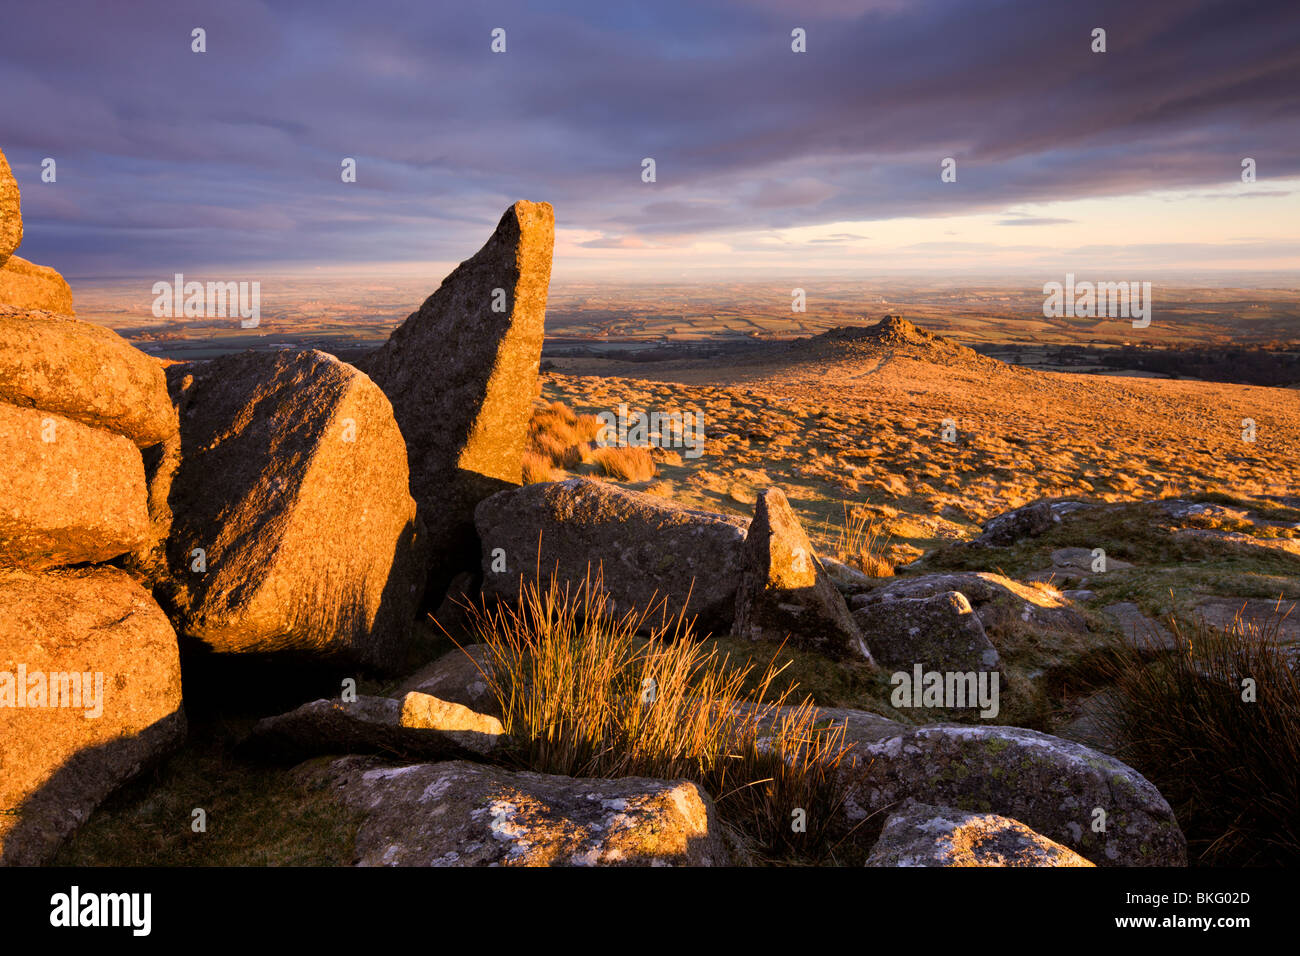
766, 160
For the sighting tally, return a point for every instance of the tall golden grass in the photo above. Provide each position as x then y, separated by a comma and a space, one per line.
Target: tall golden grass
584, 694
861, 542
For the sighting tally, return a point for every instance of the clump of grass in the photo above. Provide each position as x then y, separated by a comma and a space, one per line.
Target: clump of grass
1227, 765
583, 694
625, 462
561, 437
861, 542
537, 468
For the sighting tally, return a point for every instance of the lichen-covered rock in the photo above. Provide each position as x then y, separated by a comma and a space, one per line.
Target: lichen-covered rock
923, 835
417, 725
1027, 522
11, 215
784, 591
459, 676
95, 664
941, 633
25, 285
293, 529
84, 372
1060, 789
465, 814
1001, 604
650, 549
461, 373
71, 494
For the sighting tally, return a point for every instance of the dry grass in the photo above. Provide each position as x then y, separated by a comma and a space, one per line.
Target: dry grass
537, 468
584, 695
561, 437
861, 542
625, 463
1226, 765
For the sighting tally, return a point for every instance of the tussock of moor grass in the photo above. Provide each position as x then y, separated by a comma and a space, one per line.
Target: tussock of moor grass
625, 462
584, 695
561, 437
1229, 768
862, 543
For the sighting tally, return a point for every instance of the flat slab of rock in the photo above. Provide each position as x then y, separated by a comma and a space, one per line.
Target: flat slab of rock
1052, 785
417, 725
465, 814
1258, 615
941, 633
292, 482
25, 285
457, 676
650, 549
1146, 634
84, 372
461, 373
11, 216
73, 494
784, 590
94, 661
1000, 603
1027, 522
924, 835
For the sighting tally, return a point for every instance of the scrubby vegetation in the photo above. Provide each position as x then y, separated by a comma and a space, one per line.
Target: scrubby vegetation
584, 695
1216, 727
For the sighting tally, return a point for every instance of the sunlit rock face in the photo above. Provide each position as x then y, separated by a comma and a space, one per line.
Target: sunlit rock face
457, 813
90, 692
784, 591
292, 526
461, 373
11, 218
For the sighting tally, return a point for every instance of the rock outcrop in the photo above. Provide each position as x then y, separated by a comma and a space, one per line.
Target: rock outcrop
84, 372
648, 549
465, 814
418, 725
293, 529
25, 285
90, 692
11, 216
941, 633
923, 835
72, 493
459, 676
461, 373
1060, 789
784, 590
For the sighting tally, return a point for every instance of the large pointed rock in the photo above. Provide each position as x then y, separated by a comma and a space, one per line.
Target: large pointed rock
11, 217
84, 372
291, 481
69, 494
461, 373
25, 285
784, 591
93, 661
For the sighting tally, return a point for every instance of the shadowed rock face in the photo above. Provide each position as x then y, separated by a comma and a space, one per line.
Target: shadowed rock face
464, 814
922, 835
647, 549
292, 478
25, 285
784, 592
72, 493
57, 762
85, 372
11, 217
462, 376
940, 632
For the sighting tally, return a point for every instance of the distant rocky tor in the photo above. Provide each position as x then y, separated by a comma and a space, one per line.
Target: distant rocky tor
461, 373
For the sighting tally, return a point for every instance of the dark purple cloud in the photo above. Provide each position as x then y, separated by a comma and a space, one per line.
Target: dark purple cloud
169, 159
